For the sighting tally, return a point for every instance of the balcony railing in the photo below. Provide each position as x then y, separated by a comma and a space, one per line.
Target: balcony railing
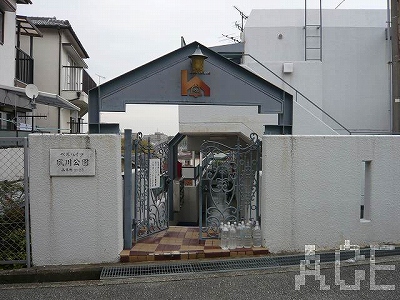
72, 78
23, 67
88, 82
75, 125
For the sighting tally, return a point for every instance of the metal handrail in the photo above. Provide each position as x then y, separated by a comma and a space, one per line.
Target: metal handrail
72, 78
23, 66
297, 92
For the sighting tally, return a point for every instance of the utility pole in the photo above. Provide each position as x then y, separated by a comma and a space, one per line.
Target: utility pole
394, 34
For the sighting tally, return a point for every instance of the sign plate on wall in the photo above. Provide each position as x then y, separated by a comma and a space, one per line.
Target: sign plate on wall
154, 174
72, 162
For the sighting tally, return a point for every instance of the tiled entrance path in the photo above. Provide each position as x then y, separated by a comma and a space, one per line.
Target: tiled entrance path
179, 243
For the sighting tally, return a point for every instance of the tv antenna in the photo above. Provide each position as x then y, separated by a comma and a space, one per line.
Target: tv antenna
244, 17
231, 38
100, 77
238, 25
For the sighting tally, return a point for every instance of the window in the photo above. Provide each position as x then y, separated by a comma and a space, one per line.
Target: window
73, 76
365, 213
6, 121
1, 26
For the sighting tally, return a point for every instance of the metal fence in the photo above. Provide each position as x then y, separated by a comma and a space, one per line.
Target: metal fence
14, 203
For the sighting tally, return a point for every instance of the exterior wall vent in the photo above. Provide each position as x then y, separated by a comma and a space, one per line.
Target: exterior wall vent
287, 67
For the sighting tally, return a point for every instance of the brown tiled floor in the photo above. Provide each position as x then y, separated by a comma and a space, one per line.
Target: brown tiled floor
179, 243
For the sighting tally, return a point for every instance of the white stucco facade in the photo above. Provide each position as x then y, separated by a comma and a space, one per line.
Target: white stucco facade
76, 220
312, 189
351, 83
7, 49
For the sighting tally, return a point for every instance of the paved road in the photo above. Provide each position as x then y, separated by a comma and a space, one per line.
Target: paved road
278, 283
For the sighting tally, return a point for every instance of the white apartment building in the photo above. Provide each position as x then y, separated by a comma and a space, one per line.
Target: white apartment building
343, 66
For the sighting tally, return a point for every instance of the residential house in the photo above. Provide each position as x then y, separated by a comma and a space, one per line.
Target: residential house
60, 69
49, 111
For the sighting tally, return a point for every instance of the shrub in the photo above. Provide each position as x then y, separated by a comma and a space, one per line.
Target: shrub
12, 221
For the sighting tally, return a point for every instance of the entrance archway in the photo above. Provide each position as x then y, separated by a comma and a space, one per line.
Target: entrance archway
176, 79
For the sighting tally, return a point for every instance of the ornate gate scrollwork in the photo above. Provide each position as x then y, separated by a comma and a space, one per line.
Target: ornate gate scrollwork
229, 190
151, 202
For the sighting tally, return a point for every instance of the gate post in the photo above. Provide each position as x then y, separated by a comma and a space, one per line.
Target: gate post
27, 204
128, 189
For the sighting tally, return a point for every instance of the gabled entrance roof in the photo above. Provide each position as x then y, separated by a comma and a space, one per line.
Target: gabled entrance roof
160, 82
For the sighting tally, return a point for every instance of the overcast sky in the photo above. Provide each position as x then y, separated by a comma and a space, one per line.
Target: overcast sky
121, 35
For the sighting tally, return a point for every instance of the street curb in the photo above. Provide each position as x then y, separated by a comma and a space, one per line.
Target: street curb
51, 274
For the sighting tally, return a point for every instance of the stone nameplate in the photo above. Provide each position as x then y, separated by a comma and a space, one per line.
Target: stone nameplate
72, 162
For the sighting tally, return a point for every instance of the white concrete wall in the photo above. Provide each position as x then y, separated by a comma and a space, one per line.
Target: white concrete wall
7, 50
352, 82
76, 220
312, 186
217, 119
304, 122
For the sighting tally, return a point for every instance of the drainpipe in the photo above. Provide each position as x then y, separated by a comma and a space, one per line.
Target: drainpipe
59, 120
395, 68
389, 37
59, 78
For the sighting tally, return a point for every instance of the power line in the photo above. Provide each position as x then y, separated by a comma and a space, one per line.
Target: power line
339, 4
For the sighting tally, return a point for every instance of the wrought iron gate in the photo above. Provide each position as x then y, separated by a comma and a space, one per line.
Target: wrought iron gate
151, 188
229, 190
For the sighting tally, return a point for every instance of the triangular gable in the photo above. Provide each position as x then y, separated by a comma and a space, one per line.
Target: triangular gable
164, 80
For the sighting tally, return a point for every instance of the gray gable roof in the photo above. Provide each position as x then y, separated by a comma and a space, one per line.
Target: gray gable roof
50, 22
162, 81
53, 22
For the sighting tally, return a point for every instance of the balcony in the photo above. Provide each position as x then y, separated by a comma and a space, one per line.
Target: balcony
23, 67
77, 79
76, 86
72, 78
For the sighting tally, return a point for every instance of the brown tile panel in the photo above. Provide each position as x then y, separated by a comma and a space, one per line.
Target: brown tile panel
187, 241
172, 234
160, 247
212, 247
259, 251
124, 259
178, 243
171, 247
138, 253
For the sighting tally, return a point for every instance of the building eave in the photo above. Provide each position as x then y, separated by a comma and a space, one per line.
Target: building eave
43, 98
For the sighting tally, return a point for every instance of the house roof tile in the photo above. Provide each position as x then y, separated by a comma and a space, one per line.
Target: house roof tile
53, 22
